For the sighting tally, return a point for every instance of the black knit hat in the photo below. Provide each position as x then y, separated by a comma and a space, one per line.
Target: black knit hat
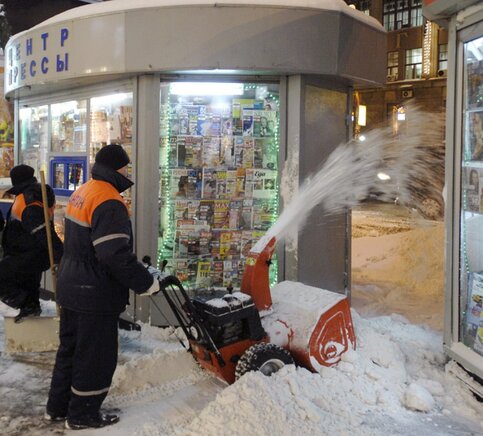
21, 176
112, 156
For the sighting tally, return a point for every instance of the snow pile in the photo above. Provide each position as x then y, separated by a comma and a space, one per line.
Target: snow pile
399, 272
156, 360
396, 367
418, 398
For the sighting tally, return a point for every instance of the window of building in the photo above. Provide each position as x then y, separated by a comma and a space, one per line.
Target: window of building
360, 5
392, 65
402, 13
443, 57
414, 63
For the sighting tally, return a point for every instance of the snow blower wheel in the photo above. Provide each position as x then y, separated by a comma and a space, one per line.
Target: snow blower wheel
266, 358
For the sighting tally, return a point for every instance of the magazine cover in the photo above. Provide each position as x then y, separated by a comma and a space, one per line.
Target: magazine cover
264, 123
217, 273
205, 243
227, 156
185, 270
248, 239
263, 214
211, 151
221, 185
221, 218
474, 312
244, 152
206, 212
267, 147
227, 126
203, 276
264, 183
185, 183
230, 243
246, 219
240, 183
230, 273
173, 152
192, 151
209, 183
235, 214
188, 234
241, 104
471, 186
247, 117
215, 244
186, 209
209, 126
231, 184
474, 134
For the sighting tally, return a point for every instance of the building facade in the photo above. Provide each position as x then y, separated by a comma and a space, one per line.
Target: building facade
417, 58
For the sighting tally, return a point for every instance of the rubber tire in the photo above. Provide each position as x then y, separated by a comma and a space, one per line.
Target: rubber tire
259, 354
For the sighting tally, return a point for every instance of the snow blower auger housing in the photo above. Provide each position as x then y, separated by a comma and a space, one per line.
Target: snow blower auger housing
228, 336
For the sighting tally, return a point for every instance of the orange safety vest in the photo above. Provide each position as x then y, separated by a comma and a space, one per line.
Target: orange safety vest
84, 201
19, 207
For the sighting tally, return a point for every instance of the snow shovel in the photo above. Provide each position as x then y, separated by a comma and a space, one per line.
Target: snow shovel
40, 333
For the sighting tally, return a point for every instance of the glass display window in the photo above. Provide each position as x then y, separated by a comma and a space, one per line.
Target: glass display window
69, 126
219, 148
471, 225
111, 122
33, 136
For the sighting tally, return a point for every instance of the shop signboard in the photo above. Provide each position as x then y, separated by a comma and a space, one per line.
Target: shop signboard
65, 50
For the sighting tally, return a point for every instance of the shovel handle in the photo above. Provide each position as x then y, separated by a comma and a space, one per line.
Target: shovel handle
45, 203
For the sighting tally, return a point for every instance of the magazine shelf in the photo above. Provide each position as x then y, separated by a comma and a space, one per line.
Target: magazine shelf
219, 178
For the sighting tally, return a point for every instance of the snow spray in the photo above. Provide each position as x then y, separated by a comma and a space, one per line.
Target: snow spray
410, 157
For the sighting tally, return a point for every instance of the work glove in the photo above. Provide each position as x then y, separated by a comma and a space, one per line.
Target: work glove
152, 290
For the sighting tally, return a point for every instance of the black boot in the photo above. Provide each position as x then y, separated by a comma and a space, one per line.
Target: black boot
28, 310
101, 420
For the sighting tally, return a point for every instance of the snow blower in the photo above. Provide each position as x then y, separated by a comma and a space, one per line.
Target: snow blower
231, 333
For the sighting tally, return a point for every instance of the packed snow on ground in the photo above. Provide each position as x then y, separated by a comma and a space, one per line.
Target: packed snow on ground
395, 382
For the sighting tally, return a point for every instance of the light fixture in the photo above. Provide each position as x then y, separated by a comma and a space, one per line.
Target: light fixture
361, 119
206, 88
362, 138
107, 100
383, 176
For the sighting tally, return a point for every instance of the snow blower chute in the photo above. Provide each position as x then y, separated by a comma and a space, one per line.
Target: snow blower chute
231, 333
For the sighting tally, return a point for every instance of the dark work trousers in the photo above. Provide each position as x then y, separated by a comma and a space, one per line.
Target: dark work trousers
19, 284
85, 363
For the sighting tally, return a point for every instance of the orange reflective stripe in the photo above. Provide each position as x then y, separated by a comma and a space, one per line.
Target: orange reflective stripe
84, 201
18, 207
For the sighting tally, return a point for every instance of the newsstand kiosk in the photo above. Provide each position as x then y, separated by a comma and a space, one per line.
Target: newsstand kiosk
463, 326
214, 102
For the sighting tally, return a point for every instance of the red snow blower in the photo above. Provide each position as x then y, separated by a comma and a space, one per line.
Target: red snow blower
231, 333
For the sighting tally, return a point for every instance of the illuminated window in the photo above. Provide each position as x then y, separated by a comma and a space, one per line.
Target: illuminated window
360, 5
392, 65
414, 63
443, 57
402, 13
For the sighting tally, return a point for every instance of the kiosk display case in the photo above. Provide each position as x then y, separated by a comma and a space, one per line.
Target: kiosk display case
219, 177
471, 227
463, 323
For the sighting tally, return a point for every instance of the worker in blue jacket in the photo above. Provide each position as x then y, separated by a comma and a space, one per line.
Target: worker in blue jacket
97, 270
